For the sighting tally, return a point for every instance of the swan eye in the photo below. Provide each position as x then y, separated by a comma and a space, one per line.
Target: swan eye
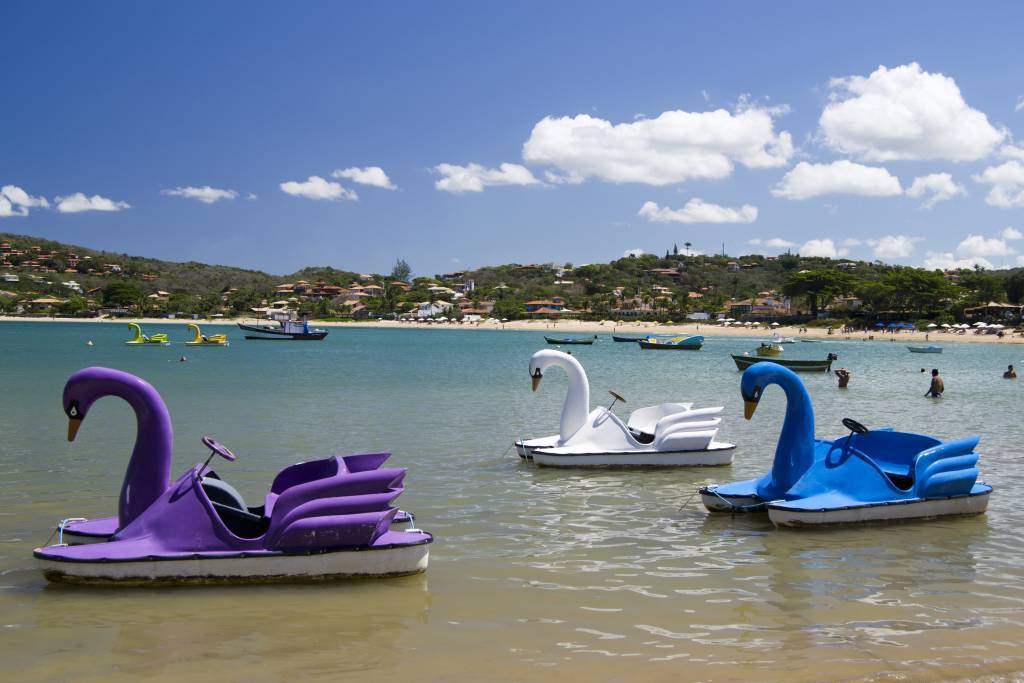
756, 394
73, 409
536, 373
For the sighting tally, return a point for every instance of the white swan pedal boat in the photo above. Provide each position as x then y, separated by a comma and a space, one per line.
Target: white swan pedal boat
665, 435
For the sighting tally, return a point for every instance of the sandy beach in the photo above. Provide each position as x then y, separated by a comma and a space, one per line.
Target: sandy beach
594, 327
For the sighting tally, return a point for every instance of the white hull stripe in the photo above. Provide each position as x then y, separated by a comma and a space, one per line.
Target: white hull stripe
393, 561
959, 505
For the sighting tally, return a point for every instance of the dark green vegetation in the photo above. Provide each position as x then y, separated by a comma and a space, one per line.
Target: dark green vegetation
637, 287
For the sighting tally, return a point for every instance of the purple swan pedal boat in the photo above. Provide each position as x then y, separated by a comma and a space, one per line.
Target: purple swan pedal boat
323, 519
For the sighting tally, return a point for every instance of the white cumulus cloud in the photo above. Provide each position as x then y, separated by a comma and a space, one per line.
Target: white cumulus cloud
1012, 152
905, 113
806, 180
78, 202
474, 177
946, 261
671, 148
204, 194
979, 245
633, 252
14, 201
934, 188
825, 248
772, 243
698, 211
893, 246
316, 187
370, 175
1011, 234
1007, 181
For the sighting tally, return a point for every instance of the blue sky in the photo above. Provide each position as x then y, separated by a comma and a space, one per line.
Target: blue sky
467, 134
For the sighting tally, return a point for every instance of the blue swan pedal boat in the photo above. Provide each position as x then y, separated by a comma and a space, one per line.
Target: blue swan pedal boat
867, 475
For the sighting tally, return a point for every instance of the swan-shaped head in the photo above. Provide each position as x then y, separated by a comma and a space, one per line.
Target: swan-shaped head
756, 378
542, 360
86, 386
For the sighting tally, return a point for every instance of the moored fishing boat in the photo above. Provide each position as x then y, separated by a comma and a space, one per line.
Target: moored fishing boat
620, 338
286, 328
925, 349
570, 340
869, 475
744, 362
681, 343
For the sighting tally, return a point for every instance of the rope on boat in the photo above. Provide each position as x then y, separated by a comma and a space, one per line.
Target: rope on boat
733, 505
59, 531
687, 502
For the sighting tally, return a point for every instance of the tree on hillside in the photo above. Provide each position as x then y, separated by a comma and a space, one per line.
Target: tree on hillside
1014, 286
401, 271
818, 287
908, 290
121, 294
983, 286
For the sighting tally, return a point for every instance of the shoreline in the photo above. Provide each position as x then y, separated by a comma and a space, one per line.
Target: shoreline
588, 327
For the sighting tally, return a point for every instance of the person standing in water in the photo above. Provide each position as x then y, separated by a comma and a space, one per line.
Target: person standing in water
843, 375
937, 386
1010, 373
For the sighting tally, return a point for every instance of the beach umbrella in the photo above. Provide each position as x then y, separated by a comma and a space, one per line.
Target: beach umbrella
980, 324
748, 323
775, 324
932, 326
997, 326
879, 324
945, 325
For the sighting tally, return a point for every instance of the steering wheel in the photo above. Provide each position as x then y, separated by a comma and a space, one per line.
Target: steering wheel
854, 426
616, 396
218, 448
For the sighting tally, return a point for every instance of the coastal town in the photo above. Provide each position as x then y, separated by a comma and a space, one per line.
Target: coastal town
39, 278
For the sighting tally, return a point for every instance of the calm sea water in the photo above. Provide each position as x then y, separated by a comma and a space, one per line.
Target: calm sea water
535, 573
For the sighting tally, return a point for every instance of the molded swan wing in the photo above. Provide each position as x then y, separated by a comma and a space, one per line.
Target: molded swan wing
350, 509
947, 469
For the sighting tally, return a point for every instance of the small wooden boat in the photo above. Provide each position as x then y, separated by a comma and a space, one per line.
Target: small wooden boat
684, 343
744, 362
769, 350
925, 349
626, 339
570, 340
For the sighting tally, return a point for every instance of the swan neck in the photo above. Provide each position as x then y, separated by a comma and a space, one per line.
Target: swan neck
149, 469
576, 408
794, 453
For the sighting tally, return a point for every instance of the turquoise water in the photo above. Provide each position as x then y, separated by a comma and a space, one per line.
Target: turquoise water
535, 572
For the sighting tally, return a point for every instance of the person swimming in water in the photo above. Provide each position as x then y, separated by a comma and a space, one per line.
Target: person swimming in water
1010, 373
937, 386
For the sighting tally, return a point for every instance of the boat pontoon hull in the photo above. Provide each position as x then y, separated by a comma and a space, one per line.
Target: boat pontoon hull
718, 454
974, 503
328, 565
